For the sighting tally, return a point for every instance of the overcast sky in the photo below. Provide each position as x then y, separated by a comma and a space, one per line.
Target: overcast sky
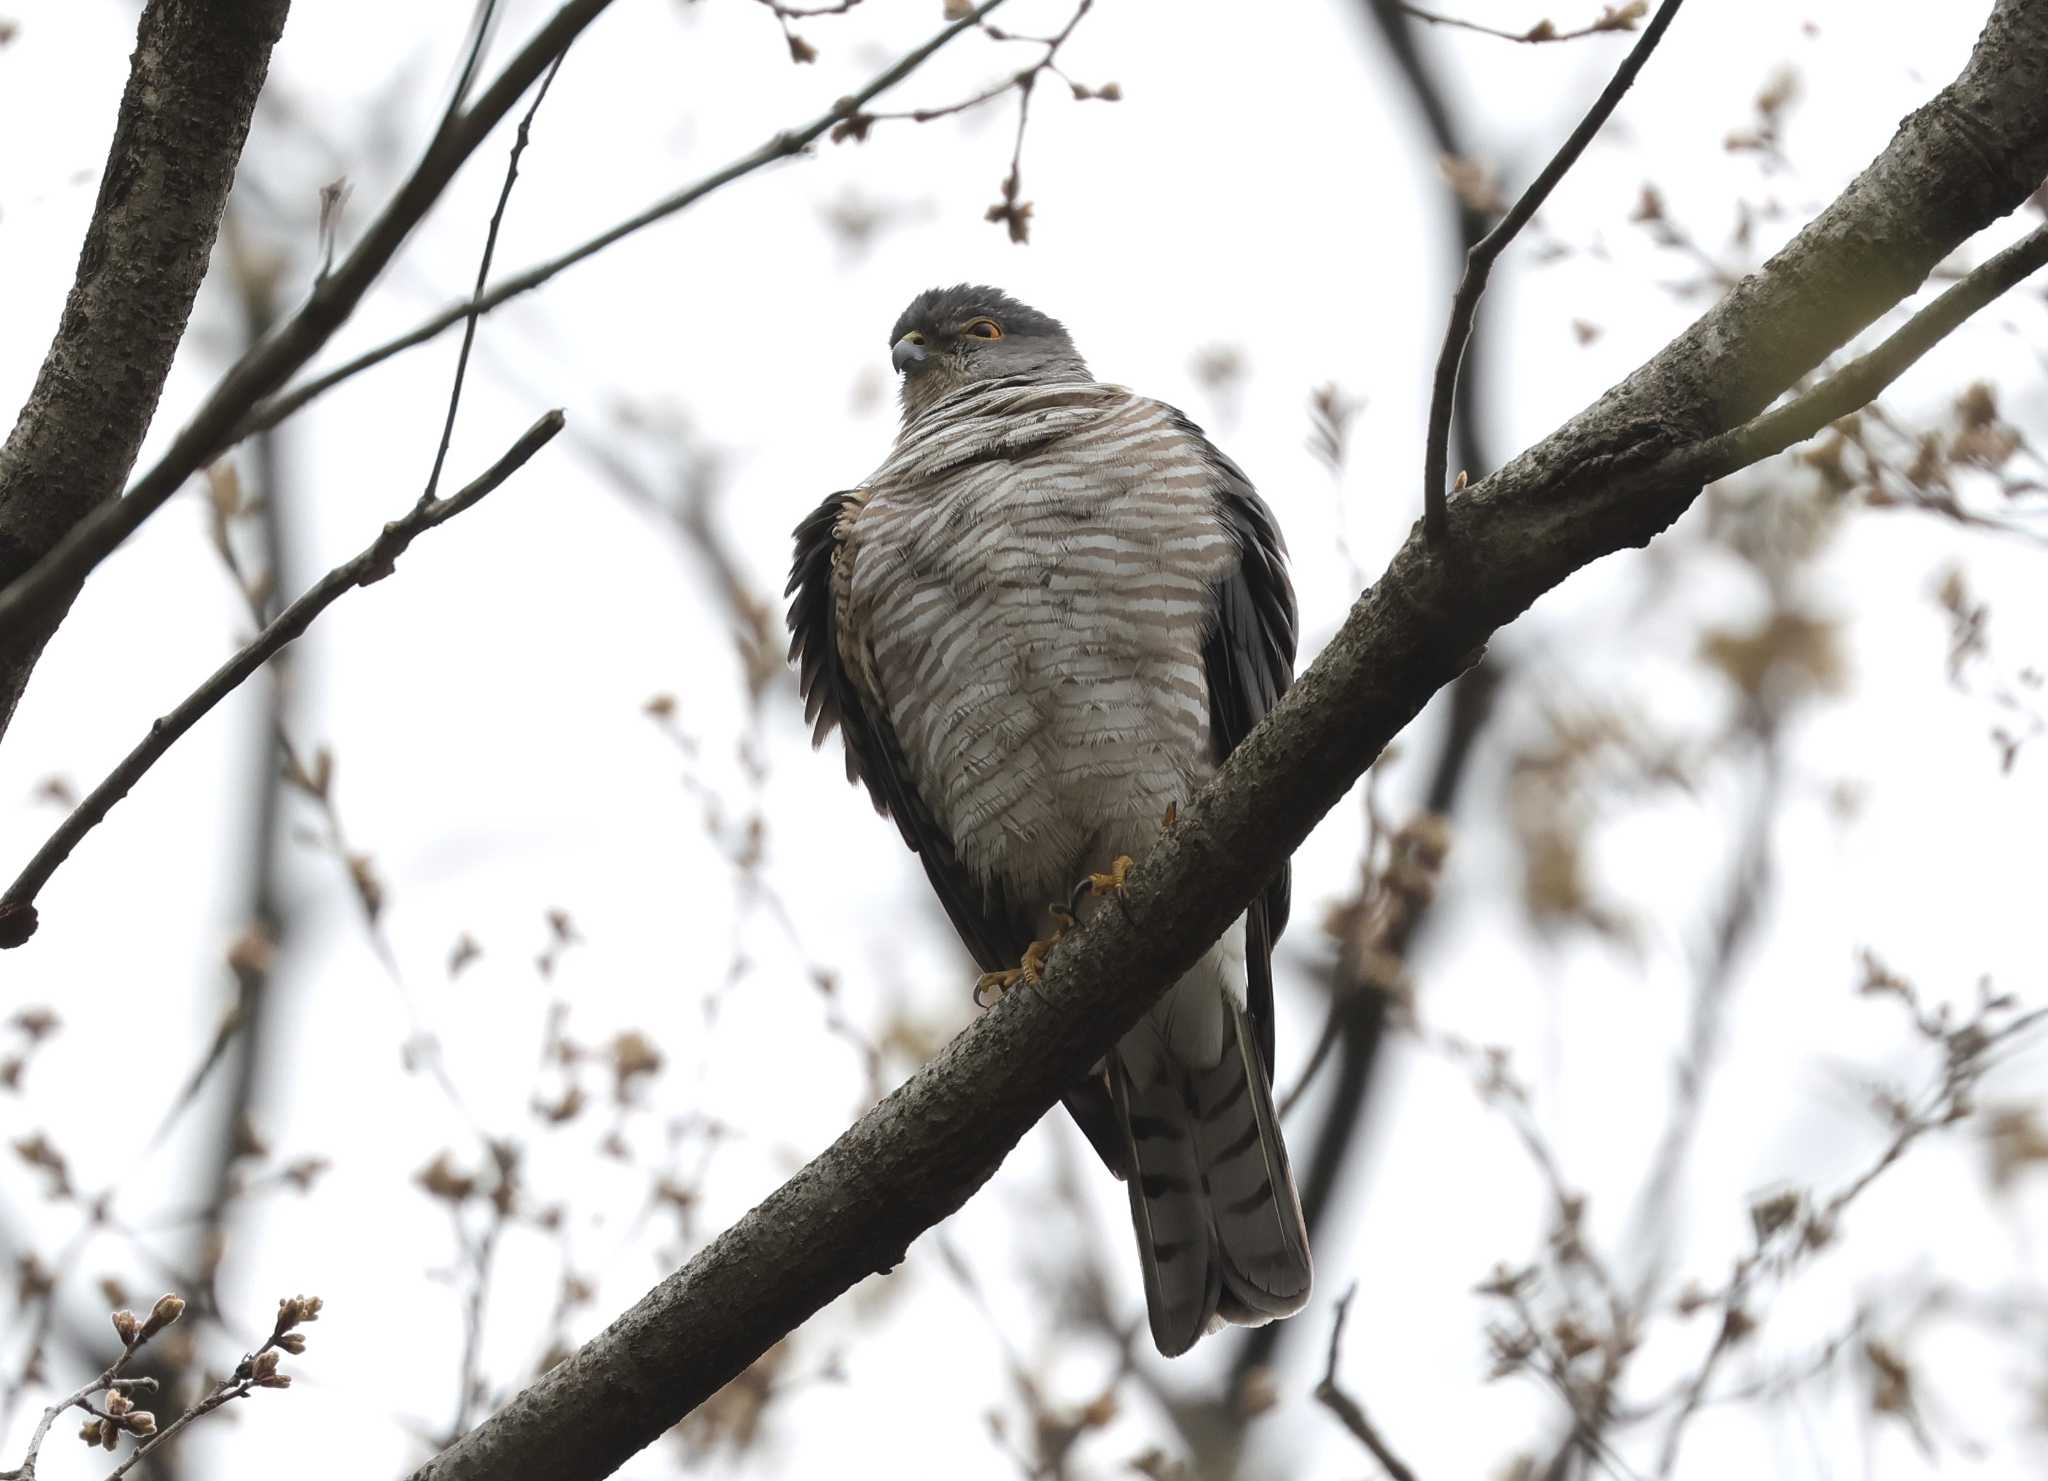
1262, 188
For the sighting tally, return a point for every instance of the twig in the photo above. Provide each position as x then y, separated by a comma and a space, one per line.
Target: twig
244, 1035
483, 273
1862, 379
1747, 887
1479, 263
482, 1256
801, 50
1350, 1413
269, 413
257, 1369
135, 1334
17, 906
481, 23
1009, 211
1611, 18
212, 430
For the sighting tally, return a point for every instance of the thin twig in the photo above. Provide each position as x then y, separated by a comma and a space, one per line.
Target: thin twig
134, 1338
270, 412
17, 906
1479, 262
1350, 1413
483, 273
480, 27
257, 1369
482, 1257
213, 429
1611, 18
1862, 379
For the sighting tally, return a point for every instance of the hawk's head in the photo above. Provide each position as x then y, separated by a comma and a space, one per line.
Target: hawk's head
950, 336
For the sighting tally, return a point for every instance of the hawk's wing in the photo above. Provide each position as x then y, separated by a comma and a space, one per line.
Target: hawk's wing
1248, 654
994, 933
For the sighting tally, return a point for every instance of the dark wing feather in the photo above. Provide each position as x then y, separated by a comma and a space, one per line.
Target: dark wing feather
994, 932
1248, 654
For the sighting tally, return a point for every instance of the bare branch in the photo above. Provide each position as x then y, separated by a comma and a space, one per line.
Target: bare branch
483, 271
17, 906
135, 1333
1350, 1413
1859, 382
1611, 18
193, 83
1479, 263
258, 1369
270, 412
48, 585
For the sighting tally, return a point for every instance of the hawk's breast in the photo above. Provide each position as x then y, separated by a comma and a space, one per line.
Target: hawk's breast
1031, 582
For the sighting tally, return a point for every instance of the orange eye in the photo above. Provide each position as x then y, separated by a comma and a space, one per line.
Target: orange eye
985, 329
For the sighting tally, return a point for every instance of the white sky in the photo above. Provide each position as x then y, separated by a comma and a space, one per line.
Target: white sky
1264, 187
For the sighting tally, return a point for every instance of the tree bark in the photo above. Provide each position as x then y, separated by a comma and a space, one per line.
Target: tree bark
1601, 482
192, 86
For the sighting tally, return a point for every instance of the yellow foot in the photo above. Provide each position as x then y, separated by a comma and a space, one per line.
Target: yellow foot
1111, 883
992, 985
1099, 885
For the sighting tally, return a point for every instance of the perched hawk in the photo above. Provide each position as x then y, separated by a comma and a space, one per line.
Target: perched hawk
1042, 622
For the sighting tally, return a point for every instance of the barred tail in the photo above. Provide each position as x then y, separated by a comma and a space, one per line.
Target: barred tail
1220, 1232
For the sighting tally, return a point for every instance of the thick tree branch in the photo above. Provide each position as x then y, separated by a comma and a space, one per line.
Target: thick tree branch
40, 596
192, 86
783, 146
1479, 263
1591, 488
17, 906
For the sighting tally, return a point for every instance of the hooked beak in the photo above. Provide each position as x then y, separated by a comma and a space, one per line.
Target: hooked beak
910, 353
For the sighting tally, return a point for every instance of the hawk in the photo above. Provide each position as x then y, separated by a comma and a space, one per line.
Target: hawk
1043, 621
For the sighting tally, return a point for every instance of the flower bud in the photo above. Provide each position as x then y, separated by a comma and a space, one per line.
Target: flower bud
167, 1310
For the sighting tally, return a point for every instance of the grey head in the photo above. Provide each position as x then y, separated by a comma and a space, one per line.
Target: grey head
949, 337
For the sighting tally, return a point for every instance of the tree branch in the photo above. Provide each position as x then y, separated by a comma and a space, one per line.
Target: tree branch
192, 86
17, 906
1355, 1025
1612, 18
1589, 489
1350, 1413
1479, 263
274, 410
40, 596
1863, 379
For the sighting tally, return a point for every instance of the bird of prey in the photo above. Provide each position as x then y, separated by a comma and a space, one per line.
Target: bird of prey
1038, 626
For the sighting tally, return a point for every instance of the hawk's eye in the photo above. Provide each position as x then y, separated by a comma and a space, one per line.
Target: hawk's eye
985, 329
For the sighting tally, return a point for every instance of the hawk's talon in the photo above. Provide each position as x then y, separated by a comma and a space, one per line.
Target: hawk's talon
995, 984
1113, 882
1100, 885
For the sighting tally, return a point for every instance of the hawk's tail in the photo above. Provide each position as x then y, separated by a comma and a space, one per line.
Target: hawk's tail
1220, 1232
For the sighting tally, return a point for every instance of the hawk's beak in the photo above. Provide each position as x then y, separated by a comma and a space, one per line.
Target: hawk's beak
910, 353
